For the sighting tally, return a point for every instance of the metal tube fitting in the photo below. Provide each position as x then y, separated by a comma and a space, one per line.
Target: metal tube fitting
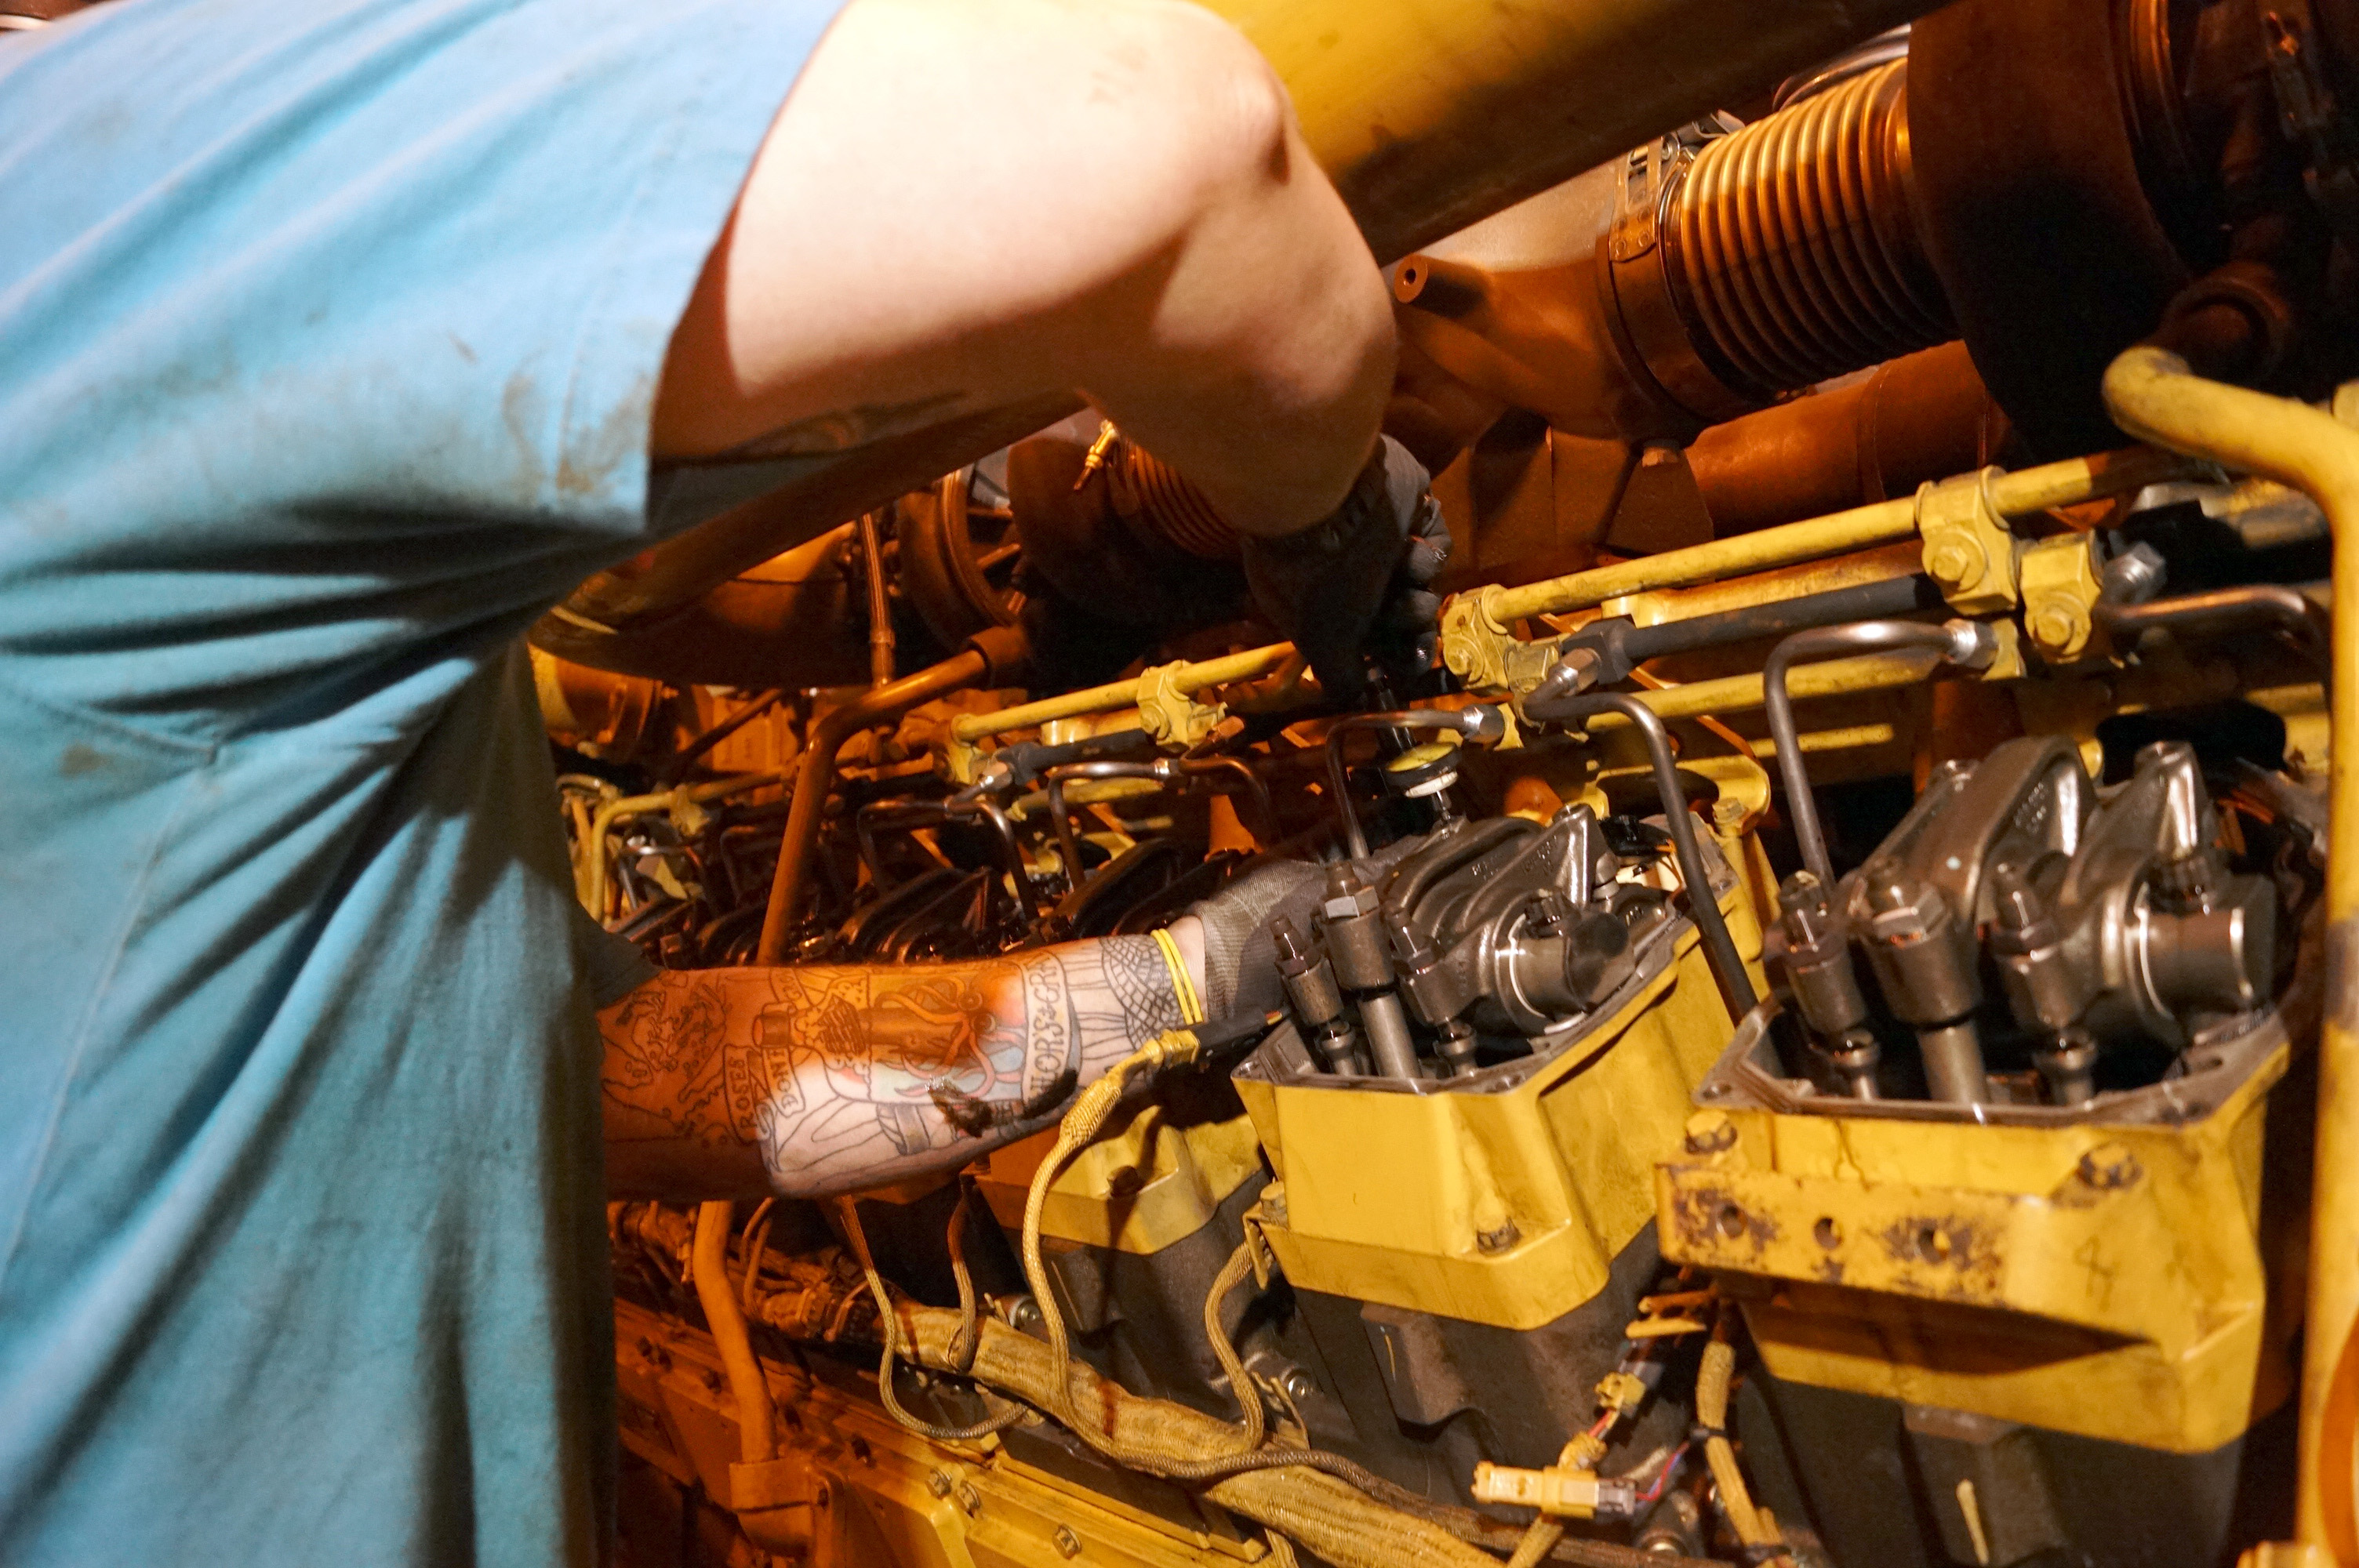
1965, 643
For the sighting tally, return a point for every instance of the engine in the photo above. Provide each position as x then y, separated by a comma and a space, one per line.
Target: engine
1807, 1044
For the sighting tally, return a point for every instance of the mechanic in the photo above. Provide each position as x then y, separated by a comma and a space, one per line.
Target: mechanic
340, 339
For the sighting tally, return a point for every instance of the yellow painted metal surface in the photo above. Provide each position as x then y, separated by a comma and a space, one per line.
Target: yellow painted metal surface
1143, 1186
1505, 1208
2105, 1280
2061, 589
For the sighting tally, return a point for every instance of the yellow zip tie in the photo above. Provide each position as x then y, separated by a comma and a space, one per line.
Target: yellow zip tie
1192, 1006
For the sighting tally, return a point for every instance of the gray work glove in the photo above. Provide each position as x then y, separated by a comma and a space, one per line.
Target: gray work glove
1356, 583
1240, 955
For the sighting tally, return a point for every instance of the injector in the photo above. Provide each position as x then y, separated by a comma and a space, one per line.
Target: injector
1820, 972
1351, 928
1929, 979
1316, 1004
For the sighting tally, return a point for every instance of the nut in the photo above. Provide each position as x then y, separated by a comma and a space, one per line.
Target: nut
1955, 562
1067, 1543
938, 1483
2058, 627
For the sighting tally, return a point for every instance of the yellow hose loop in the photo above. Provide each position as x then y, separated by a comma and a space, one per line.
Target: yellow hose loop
970, 1330
1235, 1271
1084, 1121
889, 1329
1080, 1127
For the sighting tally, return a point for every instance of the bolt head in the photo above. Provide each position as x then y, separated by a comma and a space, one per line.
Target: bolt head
1954, 562
1710, 1132
2109, 1167
938, 1483
1067, 1543
2057, 626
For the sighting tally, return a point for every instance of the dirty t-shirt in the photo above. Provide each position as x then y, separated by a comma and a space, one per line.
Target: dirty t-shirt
328, 335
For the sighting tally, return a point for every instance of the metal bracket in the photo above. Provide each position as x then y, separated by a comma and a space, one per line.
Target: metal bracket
1969, 549
1484, 655
1172, 717
2061, 583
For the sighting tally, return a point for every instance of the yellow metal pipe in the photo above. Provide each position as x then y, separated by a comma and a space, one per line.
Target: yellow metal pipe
1429, 115
2015, 494
757, 1414
2151, 394
1121, 694
1737, 694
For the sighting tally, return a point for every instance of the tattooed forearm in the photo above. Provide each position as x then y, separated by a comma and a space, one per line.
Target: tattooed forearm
822, 1081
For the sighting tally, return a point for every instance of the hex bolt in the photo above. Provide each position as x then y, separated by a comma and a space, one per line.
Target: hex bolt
1297, 1384
2058, 626
938, 1483
969, 1499
1954, 562
1067, 1543
1710, 1132
2110, 1167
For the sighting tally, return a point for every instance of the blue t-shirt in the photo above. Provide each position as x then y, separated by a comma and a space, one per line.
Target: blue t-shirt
329, 332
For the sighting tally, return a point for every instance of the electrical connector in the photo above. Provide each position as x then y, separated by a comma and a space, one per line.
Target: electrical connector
1558, 1491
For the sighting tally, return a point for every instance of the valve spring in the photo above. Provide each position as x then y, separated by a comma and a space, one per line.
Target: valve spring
1176, 510
1798, 251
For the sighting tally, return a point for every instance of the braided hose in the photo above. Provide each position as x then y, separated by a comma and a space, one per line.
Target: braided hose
889, 1329
1538, 1543
1232, 1274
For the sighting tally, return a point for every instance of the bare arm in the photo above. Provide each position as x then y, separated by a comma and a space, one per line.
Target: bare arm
967, 203
725, 1083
